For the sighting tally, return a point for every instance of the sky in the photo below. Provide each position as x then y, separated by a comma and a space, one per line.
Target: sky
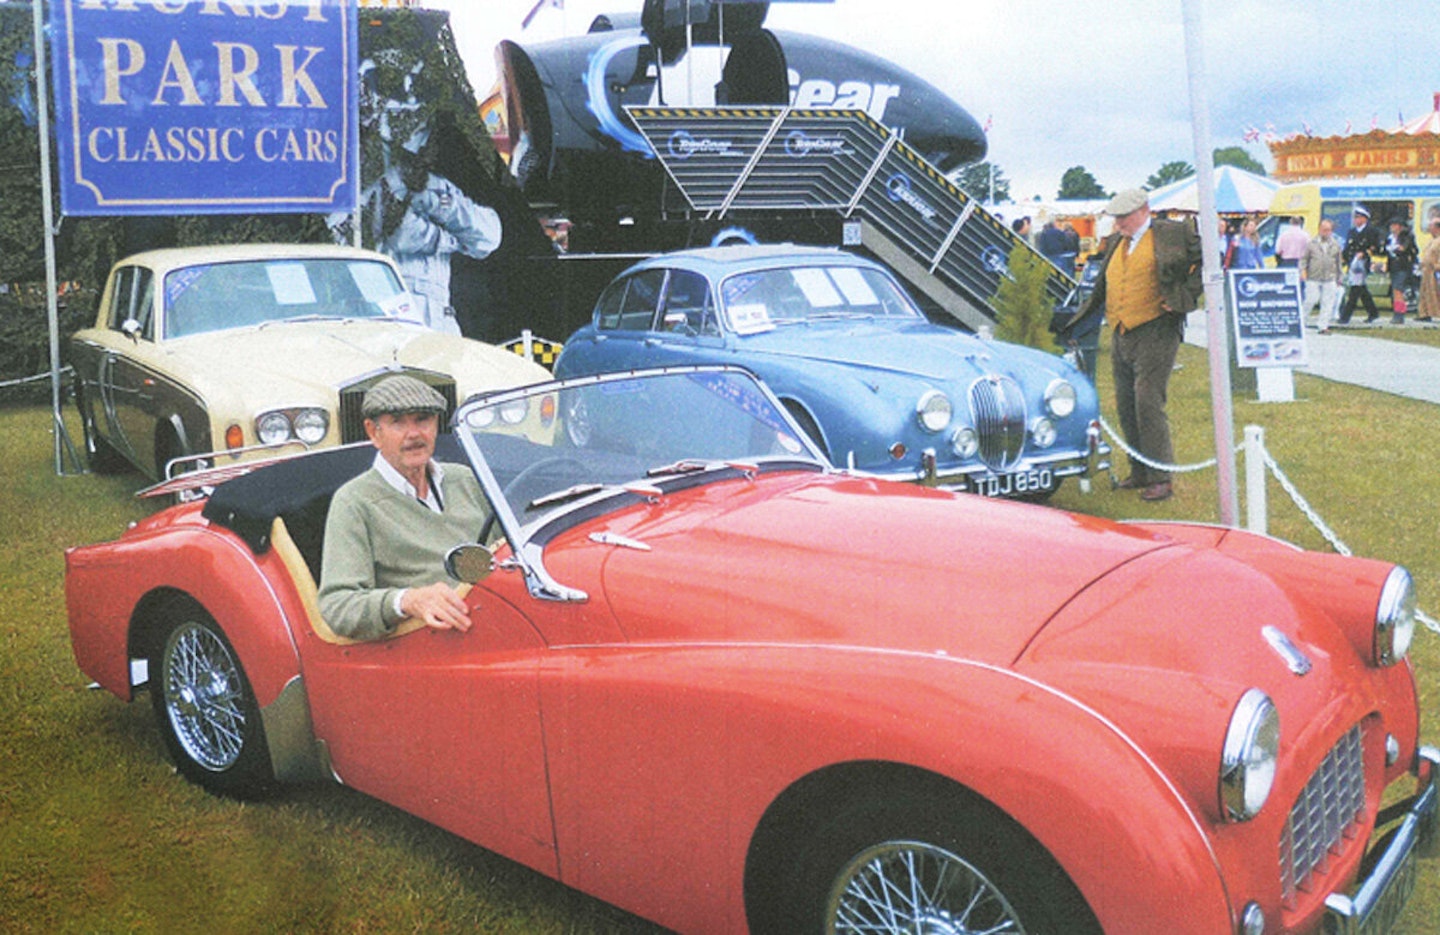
1104, 86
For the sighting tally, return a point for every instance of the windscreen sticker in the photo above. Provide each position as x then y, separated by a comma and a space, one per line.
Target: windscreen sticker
290, 283
852, 282
180, 281
818, 289
750, 319
374, 281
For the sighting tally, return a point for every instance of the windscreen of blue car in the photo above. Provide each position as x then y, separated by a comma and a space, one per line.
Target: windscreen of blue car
764, 299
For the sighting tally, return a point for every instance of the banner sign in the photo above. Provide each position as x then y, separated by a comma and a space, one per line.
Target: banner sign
206, 106
1269, 326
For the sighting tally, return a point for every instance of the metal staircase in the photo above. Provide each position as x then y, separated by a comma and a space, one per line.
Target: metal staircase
728, 162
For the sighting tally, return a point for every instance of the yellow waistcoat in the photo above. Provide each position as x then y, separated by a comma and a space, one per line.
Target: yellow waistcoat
1132, 288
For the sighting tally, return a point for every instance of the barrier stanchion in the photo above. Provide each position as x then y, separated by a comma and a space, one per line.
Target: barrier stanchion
1256, 519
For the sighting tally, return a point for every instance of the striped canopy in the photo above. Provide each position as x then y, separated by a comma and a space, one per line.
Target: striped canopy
1236, 192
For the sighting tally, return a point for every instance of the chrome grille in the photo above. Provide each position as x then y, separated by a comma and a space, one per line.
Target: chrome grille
352, 422
1325, 815
998, 406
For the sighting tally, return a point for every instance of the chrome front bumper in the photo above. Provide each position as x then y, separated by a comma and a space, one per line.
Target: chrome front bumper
977, 478
1380, 897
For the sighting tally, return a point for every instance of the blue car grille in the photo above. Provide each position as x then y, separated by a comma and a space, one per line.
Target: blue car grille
1327, 814
999, 409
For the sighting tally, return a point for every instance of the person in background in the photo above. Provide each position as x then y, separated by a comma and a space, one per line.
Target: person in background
1245, 248
1051, 244
1226, 236
1430, 275
1400, 257
1021, 227
1360, 246
1290, 243
1149, 282
1322, 271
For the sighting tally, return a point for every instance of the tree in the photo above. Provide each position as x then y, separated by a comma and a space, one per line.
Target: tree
1077, 182
974, 180
1170, 172
1240, 158
1022, 305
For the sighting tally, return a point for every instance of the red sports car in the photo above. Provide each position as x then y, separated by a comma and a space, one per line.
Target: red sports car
720, 684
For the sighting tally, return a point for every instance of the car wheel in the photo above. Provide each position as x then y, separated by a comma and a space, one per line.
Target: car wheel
803, 419
99, 453
932, 863
204, 706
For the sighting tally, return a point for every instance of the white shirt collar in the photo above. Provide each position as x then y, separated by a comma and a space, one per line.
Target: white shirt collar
1135, 237
397, 480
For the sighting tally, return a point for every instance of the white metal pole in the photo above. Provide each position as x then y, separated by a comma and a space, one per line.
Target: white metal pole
1257, 517
47, 209
1213, 276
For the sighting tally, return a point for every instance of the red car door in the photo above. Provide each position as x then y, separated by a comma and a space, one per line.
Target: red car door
444, 725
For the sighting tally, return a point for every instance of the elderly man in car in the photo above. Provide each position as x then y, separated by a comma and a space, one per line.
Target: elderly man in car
389, 529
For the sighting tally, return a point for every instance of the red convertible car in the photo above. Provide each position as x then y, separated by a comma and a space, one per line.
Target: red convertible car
718, 683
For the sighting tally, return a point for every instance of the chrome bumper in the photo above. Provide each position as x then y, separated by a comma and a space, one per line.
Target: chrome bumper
1382, 895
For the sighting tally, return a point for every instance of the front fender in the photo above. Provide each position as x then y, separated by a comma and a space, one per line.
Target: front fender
110, 587
730, 728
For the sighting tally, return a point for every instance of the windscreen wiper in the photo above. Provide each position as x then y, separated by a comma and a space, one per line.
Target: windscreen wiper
564, 496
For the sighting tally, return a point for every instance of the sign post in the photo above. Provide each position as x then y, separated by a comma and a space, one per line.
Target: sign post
1269, 328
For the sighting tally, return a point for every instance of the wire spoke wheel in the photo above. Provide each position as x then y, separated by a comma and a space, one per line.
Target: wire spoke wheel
203, 697
916, 888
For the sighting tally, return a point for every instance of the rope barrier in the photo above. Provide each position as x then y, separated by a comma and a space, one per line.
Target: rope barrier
1285, 483
6, 384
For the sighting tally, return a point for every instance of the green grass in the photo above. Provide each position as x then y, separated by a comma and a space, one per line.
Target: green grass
97, 833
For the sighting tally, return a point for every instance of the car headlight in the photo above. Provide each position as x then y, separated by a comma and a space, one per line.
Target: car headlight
1060, 398
272, 428
311, 425
513, 412
1042, 432
1395, 618
933, 410
964, 442
1250, 756
481, 418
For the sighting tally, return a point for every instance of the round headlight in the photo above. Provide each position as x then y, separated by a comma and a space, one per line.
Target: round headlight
933, 410
1060, 398
965, 443
273, 428
1042, 432
513, 412
1248, 761
1395, 618
481, 418
311, 425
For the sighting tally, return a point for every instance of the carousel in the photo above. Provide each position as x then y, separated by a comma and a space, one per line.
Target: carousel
1410, 150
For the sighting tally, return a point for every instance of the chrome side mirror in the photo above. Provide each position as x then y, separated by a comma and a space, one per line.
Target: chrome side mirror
131, 329
470, 563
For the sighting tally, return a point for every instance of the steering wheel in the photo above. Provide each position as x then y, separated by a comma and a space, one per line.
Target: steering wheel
534, 476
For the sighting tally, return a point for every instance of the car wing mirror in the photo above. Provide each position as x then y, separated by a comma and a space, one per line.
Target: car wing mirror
131, 329
470, 563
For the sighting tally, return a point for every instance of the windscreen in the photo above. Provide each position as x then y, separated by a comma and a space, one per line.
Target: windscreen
221, 296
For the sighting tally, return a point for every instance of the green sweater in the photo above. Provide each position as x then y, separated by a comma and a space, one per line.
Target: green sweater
379, 541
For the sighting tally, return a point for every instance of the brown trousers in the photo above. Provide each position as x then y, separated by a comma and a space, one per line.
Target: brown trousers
1142, 359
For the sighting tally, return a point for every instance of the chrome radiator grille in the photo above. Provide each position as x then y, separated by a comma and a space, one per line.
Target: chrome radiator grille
1325, 815
352, 422
999, 409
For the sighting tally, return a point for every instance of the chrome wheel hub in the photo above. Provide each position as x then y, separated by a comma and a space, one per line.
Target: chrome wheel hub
912, 887
202, 698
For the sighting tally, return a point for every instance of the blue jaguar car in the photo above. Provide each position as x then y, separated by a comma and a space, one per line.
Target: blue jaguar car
879, 387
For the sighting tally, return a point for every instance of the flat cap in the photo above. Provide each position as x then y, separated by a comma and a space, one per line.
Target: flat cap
1131, 199
400, 394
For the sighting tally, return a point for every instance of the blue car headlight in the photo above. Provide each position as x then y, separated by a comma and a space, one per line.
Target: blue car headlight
933, 411
1060, 398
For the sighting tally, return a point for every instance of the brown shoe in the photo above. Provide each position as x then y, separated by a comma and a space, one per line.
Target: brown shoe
1129, 483
1157, 491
